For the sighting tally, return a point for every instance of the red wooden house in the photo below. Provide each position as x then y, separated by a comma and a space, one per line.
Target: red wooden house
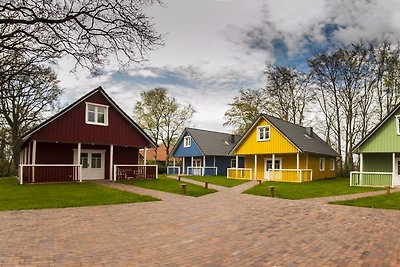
90, 139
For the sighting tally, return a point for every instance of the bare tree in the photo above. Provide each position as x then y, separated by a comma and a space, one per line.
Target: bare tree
87, 30
22, 101
324, 69
288, 93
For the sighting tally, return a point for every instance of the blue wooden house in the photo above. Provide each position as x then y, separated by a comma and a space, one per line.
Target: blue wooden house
205, 153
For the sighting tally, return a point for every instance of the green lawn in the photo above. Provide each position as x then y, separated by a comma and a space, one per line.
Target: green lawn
14, 196
163, 183
320, 188
218, 180
391, 201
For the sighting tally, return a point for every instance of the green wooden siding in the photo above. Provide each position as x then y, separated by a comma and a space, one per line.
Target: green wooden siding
385, 139
375, 162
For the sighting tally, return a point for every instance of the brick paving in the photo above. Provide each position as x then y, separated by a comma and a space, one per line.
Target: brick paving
221, 229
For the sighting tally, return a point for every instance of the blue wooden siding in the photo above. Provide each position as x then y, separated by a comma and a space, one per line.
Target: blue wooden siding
221, 162
224, 162
192, 151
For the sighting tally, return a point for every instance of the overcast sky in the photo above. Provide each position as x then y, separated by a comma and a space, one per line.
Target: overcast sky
214, 48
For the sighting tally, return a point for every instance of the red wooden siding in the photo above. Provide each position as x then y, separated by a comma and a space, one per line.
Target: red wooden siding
52, 153
71, 127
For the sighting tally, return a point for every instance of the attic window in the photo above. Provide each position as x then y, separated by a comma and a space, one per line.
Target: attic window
263, 133
96, 114
398, 124
187, 141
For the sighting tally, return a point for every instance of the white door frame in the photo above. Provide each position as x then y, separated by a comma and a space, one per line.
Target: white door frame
91, 173
396, 178
197, 163
266, 173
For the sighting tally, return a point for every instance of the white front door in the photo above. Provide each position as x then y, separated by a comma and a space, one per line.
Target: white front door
92, 163
197, 163
268, 166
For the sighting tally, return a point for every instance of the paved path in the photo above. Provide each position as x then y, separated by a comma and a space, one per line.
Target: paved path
220, 229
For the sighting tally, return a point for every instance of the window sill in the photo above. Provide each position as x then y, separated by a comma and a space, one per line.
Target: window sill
97, 124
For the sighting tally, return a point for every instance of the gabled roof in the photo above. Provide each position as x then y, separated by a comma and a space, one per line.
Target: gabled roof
211, 142
71, 106
390, 114
295, 134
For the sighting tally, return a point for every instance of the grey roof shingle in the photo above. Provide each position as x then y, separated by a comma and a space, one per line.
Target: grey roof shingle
297, 135
213, 143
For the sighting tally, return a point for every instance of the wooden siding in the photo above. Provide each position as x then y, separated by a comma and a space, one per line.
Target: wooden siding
385, 139
52, 153
277, 143
71, 127
378, 162
313, 163
192, 151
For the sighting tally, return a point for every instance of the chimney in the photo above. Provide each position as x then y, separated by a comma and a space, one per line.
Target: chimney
309, 131
232, 139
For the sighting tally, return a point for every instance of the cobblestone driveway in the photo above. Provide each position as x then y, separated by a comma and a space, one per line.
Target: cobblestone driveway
221, 229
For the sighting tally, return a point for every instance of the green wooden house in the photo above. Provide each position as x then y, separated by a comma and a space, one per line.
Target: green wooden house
379, 154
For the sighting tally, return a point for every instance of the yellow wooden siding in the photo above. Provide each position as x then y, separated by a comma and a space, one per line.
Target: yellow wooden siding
276, 144
313, 163
289, 162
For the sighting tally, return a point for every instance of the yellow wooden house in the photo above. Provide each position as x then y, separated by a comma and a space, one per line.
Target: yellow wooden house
277, 150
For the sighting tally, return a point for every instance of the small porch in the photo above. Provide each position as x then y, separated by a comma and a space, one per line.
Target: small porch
68, 162
291, 167
377, 170
197, 166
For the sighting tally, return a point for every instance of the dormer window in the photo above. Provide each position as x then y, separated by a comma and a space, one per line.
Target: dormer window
96, 114
187, 141
263, 133
398, 124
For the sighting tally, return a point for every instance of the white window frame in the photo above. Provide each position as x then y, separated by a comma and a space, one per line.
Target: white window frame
233, 163
323, 165
258, 133
398, 124
187, 141
96, 106
332, 164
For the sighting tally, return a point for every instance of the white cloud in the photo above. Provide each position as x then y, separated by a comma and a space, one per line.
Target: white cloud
216, 47
146, 73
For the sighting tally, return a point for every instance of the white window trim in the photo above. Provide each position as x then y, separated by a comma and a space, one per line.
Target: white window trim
332, 165
95, 114
233, 160
323, 166
397, 124
276, 160
258, 133
189, 143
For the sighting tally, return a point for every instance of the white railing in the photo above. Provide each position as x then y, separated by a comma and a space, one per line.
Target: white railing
239, 173
290, 175
135, 172
174, 170
201, 171
372, 179
32, 173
